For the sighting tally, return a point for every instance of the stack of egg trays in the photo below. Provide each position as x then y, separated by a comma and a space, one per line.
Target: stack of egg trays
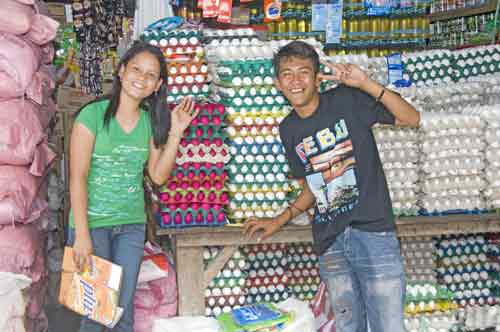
452, 163
195, 193
258, 170
227, 37
429, 68
419, 258
476, 61
267, 280
303, 271
399, 153
464, 269
494, 259
227, 290
426, 297
491, 116
186, 65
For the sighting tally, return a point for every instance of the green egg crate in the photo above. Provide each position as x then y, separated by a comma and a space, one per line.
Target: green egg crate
232, 68
227, 93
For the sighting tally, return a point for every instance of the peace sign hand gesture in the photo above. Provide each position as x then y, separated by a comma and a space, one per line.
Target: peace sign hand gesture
348, 74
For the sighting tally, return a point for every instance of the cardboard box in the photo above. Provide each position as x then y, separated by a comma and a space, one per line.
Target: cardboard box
93, 293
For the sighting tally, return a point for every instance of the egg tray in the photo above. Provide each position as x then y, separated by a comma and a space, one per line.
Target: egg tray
239, 133
204, 132
231, 68
423, 212
464, 259
459, 250
265, 102
304, 289
232, 301
269, 159
186, 67
198, 168
257, 111
304, 280
225, 41
267, 266
259, 173
298, 273
266, 281
207, 198
226, 93
203, 220
275, 298
256, 149
220, 154
471, 285
182, 90
232, 281
420, 308
189, 80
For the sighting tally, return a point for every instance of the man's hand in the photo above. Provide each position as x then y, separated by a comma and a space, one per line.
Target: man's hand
348, 74
268, 226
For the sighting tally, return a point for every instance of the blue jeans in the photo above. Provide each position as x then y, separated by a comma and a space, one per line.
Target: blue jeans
123, 245
366, 281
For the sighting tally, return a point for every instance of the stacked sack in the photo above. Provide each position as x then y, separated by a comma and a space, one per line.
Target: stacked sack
419, 258
302, 271
398, 149
187, 69
464, 269
226, 291
258, 168
195, 194
267, 279
156, 292
25, 113
452, 163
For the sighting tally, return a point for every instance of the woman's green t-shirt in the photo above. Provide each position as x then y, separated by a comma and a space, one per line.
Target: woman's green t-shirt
115, 180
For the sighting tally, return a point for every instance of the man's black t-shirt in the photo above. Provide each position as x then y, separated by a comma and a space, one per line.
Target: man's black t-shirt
335, 151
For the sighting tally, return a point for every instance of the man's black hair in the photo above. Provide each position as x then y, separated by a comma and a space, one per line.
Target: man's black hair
296, 49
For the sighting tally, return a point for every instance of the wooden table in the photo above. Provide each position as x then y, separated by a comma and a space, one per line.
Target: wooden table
192, 278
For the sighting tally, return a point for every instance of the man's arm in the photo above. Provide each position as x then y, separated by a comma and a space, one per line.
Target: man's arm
404, 113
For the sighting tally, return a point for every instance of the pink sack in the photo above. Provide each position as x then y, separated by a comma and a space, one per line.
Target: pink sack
20, 246
322, 310
18, 193
19, 60
157, 298
22, 136
16, 17
42, 83
43, 29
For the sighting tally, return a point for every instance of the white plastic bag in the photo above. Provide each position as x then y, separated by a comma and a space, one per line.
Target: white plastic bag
186, 324
303, 320
12, 301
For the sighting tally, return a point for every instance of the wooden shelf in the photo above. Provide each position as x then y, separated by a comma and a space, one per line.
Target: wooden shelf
193, 277
462, 12
406, 226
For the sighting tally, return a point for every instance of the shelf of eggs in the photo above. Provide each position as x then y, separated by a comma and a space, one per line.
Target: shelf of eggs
494, 259
187, 69
195, 194
302, 271
419, 258
267, 280
439, 67
227, 290
452, 163
399, 153
258, 183
491, 133
464, 268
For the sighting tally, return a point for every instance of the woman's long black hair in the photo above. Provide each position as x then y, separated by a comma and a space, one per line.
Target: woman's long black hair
155, 104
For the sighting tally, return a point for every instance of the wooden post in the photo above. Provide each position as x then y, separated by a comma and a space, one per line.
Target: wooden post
190, 275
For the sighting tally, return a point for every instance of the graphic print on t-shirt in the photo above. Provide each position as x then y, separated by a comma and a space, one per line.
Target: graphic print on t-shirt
329, 161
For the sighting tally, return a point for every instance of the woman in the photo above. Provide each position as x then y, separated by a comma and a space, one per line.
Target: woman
111, 141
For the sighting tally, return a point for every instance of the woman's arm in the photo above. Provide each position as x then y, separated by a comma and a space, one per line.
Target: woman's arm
162, 158
81, 147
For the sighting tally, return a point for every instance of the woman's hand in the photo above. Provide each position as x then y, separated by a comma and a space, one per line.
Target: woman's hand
182, 115
82, 249
348, 74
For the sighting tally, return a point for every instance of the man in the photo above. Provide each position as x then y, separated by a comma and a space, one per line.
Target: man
330, 145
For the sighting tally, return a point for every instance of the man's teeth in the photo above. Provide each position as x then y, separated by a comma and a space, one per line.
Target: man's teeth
297, 90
